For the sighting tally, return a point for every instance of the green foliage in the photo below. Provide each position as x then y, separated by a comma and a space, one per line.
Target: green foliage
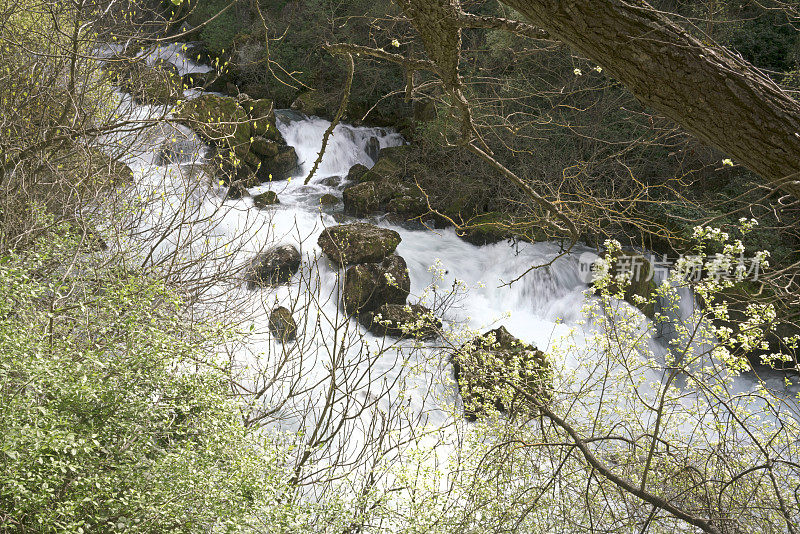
217, 34
114, 419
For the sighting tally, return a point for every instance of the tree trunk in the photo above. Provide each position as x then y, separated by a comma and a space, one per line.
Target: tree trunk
715, 95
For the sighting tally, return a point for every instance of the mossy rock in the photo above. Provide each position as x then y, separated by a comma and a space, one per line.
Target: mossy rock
481, 366
367, 286
219, 120
266, 199
262, 117
282, 325
349, 244
273, 266
208, 81
390, 166
265, 148
384, 195
403, 321
488, 228
356, 172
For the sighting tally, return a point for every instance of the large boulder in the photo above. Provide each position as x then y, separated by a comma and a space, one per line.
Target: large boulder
282, 325
219, 120
273, 266
349, 244
482, 365
403, 321
356, 172
369, 285
280, 167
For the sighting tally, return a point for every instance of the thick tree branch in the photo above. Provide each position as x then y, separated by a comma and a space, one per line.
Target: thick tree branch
714, 94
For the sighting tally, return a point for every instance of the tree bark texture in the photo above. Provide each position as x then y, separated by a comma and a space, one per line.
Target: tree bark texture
714, 94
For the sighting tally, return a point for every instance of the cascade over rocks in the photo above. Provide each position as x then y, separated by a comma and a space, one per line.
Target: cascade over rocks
282, 325
403, 321
273, 266
349, 244
481, 365
367, 286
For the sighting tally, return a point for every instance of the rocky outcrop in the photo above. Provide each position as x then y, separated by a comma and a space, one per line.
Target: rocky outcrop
265, 199
282, 325
482, 366
403, 321
273, 266
367, 286
245, 127
349, 244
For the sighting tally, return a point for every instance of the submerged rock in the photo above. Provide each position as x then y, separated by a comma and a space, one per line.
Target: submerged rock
349, 244
403, 321
273, 266
369, 285
282, 325
481, 366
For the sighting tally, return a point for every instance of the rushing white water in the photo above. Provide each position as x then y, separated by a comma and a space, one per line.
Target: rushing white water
543, 308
